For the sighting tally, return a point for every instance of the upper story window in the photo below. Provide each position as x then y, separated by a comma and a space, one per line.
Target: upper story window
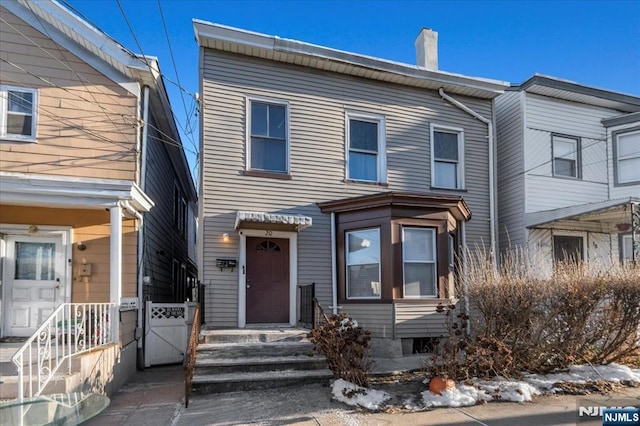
420, 276
363, 264
366, 159
626, 155
447, 157
18, 113
566, 156
268, 147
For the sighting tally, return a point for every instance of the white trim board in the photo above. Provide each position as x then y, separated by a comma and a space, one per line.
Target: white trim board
293, 271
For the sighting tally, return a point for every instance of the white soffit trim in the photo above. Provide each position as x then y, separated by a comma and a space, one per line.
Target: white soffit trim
298, 222
63, 191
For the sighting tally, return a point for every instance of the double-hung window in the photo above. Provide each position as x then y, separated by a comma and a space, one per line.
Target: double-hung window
626, 248
365, 148
363, 264
419, 262
269, 136
566, 156
18, 113
626, 152
447, 157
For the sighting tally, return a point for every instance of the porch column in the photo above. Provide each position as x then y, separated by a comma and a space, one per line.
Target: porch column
115, 266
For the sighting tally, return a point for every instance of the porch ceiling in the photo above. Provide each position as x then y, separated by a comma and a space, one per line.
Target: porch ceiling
604, 211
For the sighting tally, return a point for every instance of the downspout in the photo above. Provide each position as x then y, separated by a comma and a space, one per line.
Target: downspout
492, 195
334, 269
465, 279
143, 181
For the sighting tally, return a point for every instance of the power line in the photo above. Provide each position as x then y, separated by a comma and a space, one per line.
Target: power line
56, 59
175, 68
171, 141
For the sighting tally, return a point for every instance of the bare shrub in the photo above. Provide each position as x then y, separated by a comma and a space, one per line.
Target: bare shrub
524, 320
346, 348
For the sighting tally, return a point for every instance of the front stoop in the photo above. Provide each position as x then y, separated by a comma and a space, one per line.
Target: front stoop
243, 359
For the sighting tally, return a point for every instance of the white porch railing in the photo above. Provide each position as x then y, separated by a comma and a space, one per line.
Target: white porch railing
73, 328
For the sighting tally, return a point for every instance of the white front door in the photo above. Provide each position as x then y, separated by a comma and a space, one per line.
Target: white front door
34, 281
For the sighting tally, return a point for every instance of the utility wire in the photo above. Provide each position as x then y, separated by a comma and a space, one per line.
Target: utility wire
175, 68
169, 141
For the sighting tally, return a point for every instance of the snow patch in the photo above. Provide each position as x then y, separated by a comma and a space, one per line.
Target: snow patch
461, 396
370, 399
583, 373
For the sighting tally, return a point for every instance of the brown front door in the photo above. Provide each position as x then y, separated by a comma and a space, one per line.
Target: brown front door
267, 280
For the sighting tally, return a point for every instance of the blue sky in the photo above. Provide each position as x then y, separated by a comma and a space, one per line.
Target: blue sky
596, 43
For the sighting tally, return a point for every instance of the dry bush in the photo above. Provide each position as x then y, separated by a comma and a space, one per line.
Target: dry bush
346, 348
527, 318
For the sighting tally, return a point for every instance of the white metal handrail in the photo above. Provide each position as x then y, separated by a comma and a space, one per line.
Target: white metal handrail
73, 328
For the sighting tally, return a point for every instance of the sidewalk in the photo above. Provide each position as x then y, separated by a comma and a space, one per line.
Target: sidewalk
156, 397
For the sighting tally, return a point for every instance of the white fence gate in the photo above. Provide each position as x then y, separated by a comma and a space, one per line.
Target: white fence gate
166, 332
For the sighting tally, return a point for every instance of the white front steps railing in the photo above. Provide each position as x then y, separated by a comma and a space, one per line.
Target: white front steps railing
73, 328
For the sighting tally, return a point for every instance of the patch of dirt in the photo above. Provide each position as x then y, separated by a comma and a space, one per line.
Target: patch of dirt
597, 386
405, 390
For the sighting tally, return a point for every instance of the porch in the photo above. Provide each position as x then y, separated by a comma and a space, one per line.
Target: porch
606, 232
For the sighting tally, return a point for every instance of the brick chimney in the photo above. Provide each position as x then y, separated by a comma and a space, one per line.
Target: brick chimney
427, 49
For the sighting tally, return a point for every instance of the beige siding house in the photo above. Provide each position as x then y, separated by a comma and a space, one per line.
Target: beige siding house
359, 175
90, 162
568, 171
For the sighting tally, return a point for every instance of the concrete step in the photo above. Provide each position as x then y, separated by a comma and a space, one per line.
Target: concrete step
207, 366
232, 382
254, 335
60, 383
254, 350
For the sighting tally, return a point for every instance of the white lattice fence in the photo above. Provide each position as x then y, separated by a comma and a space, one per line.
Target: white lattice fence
166, 332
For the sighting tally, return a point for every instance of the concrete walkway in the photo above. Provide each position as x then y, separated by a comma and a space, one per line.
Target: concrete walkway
156, 397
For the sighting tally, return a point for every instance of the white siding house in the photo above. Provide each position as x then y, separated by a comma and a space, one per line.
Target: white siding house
568, 169
350, 172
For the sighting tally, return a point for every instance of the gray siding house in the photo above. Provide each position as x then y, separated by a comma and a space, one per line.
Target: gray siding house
568, 171
359, 175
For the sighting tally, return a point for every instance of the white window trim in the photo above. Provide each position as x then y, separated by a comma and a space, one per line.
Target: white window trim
461, 174
382, 146
577, 152
617, 157
248, 101
4, 103
583, 235
346, 266
623, 253
435, 263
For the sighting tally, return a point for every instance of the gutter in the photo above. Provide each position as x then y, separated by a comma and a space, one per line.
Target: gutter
492, 195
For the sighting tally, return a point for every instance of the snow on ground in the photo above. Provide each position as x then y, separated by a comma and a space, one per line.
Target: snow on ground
370, 399
499, 389
582, 373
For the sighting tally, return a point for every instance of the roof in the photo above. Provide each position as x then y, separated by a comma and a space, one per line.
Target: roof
619, 120
274, 48
295, 221
575, 92
455, 204
577, 212
64, 191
